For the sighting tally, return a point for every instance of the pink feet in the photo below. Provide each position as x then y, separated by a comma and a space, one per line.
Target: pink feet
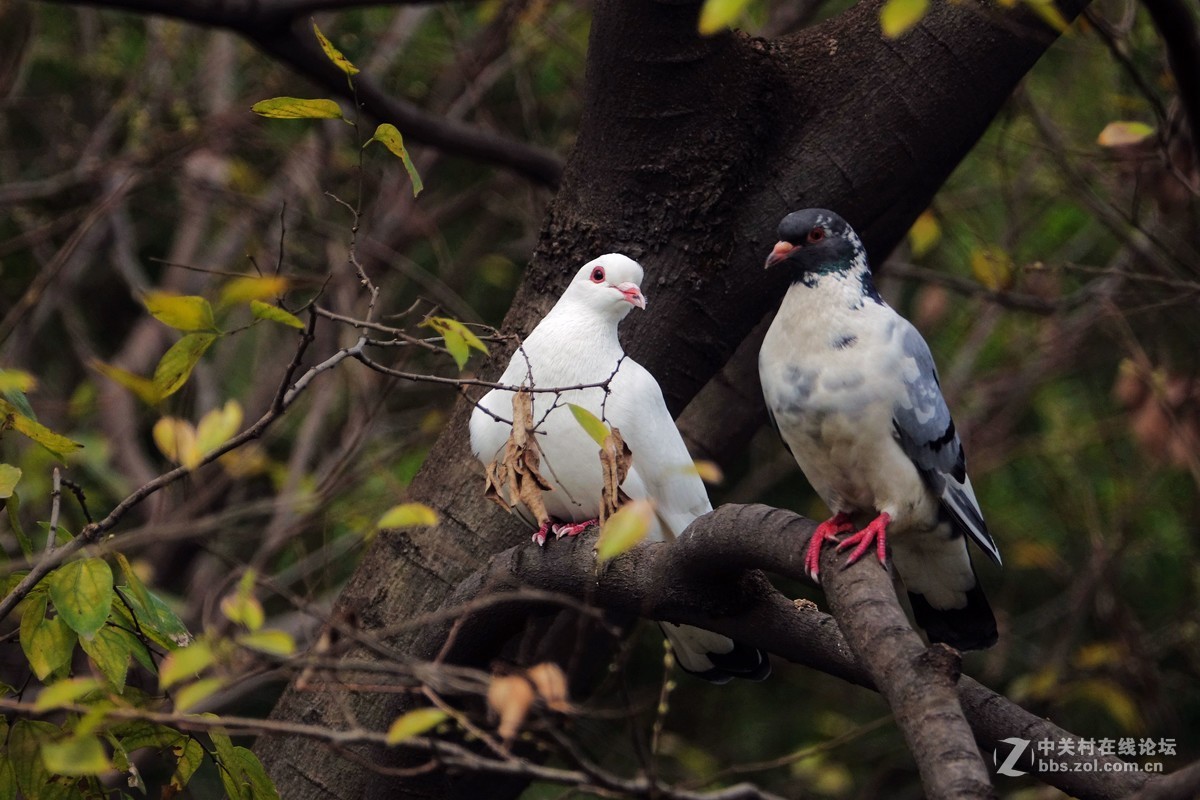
561, 529
828, 531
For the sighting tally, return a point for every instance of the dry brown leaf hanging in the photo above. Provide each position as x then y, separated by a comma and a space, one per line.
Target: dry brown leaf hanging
518, 469
615, 460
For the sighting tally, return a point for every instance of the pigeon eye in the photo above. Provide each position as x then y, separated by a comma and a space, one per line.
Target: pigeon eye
597, 274
816, 234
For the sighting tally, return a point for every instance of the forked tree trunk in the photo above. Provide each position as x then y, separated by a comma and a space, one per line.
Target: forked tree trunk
689, 152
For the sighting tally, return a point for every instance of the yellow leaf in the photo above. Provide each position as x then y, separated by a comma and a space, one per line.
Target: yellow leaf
217, 426
9, 476
64, 693
1050, 15
241, 606
176, 439
709, 471
184, 663
992, 266
590, 423
389, 136
717, 15
276, 643
458, 338
143, 388
176, 365
898, 16
414, 723
192, 694
297, 108
625, 529
56, 443
924, 234
1099, 654
408, 515
76, 755
16, 380
333, 54
1120, 134
182, 312
267, 311
252, 287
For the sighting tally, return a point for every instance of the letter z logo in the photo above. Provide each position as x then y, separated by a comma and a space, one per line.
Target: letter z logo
1018, 749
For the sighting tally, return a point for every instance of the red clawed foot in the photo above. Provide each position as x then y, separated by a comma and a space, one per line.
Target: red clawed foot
573, 528
541, 533
827, 531
875, 532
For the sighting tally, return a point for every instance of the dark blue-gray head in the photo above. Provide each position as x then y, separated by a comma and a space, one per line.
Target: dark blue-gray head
815, 241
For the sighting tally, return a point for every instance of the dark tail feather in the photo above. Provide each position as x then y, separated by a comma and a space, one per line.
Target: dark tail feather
714, 657
972, 627
743, 661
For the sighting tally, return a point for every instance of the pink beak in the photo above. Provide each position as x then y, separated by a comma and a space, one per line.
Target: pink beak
633, 294
778, 253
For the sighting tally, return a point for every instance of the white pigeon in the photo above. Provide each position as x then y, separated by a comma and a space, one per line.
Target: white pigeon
576, 343
853, 391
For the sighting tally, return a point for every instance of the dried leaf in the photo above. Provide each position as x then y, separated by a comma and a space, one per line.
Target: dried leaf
511, 697
550, 683
615, 460
1122, 134
518, 469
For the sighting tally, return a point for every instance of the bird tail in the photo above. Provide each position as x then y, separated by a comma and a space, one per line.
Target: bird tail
970, 627
714, 657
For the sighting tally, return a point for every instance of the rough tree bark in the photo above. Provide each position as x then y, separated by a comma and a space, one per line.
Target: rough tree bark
689, 152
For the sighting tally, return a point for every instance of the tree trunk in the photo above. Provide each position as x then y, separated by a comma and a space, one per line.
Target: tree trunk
689, 152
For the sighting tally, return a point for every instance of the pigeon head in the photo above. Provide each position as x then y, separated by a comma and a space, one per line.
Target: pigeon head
815, 241
610, 284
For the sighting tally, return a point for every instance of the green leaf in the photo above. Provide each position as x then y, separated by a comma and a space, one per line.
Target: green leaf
136, 734
8, 778
194, 693
389, 136
47, 643
76, 755
142, 388
182, 312
58, 445
252, 287
333, 54
176, 365
13, 507
190, 754
623, 530
272, 313
408, 515
82, 592
185, 663
275, 643
414, 723
25, 740
109, 650
228, 763
458, 338
255, 776
297, 108
898, 16
64, 693
9, 476
157, 620
590, 423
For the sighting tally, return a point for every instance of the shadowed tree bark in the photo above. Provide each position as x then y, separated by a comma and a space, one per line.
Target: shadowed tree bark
689, 152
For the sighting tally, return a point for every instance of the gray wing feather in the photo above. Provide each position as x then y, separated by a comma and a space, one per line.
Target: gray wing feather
926, 433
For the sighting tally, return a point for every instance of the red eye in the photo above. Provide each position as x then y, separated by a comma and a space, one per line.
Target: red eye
597, 274
816, 234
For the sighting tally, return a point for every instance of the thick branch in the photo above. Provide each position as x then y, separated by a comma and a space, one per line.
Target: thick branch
702, 579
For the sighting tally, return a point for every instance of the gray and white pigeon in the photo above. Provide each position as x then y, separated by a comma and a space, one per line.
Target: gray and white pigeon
852, 389
576, 344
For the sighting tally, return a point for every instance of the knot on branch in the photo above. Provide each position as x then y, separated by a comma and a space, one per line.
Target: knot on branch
940, 661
